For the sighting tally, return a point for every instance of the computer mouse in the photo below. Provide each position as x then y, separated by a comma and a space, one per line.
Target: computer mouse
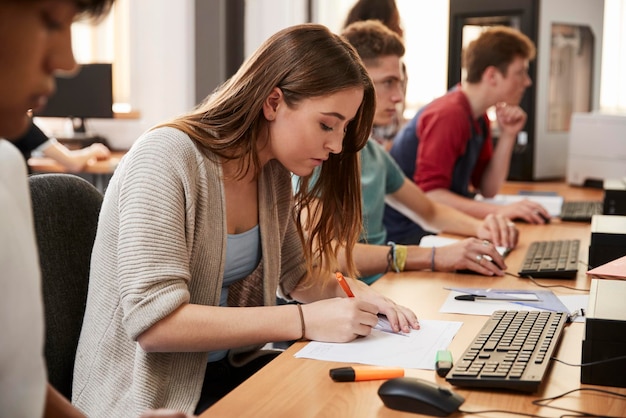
545, 218
419, 396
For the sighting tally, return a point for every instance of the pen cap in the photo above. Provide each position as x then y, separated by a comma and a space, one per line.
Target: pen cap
342, 374
443, 362
444, 355
355, 374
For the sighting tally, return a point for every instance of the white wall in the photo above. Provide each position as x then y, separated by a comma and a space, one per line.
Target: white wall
551, 147
263, 18
161, 49
425, 25
161, 61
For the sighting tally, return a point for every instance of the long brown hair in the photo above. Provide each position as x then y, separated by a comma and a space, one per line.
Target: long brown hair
304, 61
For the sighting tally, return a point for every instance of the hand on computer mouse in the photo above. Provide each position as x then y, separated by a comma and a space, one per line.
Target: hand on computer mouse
526, 211
476, 255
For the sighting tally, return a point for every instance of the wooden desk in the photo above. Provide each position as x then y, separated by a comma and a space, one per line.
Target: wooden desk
290, 387
97, 172
49, 165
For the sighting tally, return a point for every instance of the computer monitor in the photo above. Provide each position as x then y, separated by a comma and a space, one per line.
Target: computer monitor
82, 95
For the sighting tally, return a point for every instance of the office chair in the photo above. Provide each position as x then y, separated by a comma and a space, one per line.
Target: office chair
66, 209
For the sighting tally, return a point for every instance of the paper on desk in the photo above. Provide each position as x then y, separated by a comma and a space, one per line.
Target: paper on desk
552, 204
576, 303
418, 351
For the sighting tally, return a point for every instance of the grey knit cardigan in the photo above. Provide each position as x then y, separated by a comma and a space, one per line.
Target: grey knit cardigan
160, 243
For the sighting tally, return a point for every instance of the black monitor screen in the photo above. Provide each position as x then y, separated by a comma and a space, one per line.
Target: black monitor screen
86, 94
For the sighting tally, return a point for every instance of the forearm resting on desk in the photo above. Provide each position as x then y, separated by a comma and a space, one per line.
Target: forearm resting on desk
196, 328
74, 160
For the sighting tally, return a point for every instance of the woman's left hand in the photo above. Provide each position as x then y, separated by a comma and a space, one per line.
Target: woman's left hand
400, 317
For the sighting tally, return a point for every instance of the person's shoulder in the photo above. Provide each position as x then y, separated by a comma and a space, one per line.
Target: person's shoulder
162, 149
166, 141
371, 149
450, 109
164, 136
375, 147
452, 102
372, 145
13, 177
11, 160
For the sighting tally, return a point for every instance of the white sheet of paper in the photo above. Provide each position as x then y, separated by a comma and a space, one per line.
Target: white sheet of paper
418, 351
575, 303
552, 204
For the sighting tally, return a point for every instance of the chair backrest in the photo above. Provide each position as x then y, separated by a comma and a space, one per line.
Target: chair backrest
66, 209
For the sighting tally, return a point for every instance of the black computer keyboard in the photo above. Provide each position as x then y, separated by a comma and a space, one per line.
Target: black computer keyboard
511, 351
580, 211
551, 259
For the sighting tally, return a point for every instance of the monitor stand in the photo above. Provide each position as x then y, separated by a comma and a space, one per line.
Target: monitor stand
80, 138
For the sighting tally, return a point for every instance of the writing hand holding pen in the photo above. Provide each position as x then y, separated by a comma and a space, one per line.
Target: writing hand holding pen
400, 318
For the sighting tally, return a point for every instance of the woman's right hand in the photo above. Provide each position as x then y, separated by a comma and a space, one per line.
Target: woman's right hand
470, 254
338, 320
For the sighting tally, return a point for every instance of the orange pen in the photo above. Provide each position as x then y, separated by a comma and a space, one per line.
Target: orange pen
383, 322
344, 284
356, 374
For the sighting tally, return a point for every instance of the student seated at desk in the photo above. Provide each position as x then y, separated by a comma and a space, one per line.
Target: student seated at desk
448, 145
198, 232
387, 13
381, 51
35, 142
35, 42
